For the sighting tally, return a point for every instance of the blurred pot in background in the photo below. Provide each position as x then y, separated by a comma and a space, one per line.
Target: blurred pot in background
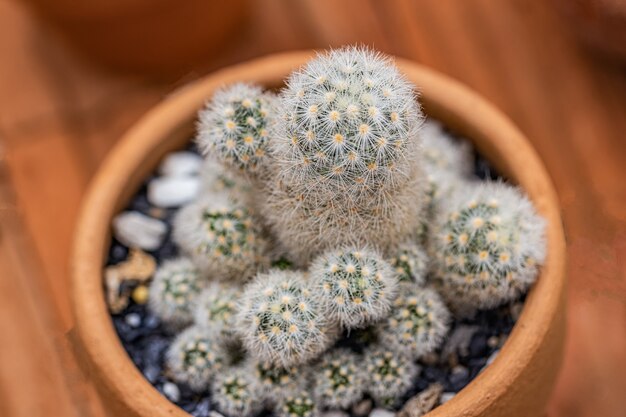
601, 24
155, 37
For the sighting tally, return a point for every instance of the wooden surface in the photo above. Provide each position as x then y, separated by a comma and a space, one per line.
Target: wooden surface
59, 116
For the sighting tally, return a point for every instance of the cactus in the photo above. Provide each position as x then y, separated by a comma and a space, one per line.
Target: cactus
339, 380
418, 323
222, 238
215, 308
195, 356
217, 179
487, 245
237, 392
346, 156
390, 375
279, 322
299, 404
443, 153
234, 126
174, 290
276, 381
410, 263
353, 286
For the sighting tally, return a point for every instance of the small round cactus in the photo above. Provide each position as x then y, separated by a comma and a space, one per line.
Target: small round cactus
237, 393
353, 286
390, 375
487, 245
279, 321
410, 263
195, 356
174, 291
350, 122
443, 153
222, 238
217, 179
418, 323
276, 381
215, 308
339, 380
234, 126
299, 404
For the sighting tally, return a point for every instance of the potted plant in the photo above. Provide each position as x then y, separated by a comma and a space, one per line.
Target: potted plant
305, 290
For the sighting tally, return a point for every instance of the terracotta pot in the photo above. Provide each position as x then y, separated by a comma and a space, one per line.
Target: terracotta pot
155, 37
518, 383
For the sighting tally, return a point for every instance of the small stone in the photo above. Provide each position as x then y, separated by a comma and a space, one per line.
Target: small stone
171, 391
157, 212
431, 359
381, 412
151, 373
458, 342
133, 319
181, 164
492, 358
362, 408
172, 191
423, 402
215, 414
459, 377
493, 342
516, 310
140, 294
138, 230
446, 396
139, 266
203, 409
334, 413
478, 345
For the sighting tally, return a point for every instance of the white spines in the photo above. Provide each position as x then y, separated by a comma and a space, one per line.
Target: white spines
353, 286
277, 381
487, 245
221, 237
279, 322
237, 393
297, 404
216, 307
234, 126
339, 379
390, 375
174, 290
410, 263
418, 323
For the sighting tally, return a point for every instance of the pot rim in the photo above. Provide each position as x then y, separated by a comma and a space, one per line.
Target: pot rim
99, 348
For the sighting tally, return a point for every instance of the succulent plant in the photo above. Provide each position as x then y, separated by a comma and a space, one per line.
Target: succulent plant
353, 286
174, 290
443, 153
345, 155
279, 321
418, 323
277, 381
339, 380
237, 393
221, 237
195, 356
234, 126
298, 404
410, 263
216, 307
390, 375
217, 179
487, 245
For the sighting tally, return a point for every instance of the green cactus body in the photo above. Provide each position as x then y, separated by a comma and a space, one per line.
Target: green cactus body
216, 307
237, 393
301, 404
410, 263
390, 375
339, 380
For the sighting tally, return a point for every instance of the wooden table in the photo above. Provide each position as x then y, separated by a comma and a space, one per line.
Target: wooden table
59, 116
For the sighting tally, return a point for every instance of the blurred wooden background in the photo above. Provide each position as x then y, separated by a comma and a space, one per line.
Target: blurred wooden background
59, 116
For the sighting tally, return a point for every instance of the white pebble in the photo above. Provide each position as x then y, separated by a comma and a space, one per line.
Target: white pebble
172, 191
492, 358
380, 412
362, 408
334, 413
214, 413
134, 229
171, 391
446, 396
181, 163
133, 320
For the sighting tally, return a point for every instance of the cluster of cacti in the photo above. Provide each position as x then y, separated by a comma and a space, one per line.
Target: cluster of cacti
313, 220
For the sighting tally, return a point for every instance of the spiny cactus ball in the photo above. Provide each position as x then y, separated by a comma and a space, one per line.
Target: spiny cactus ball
410, 263
174, 291
487, 245
350, 123
237, 393
279, 321
217, 179
222, 238
390, 375
216, 306
234, 126
443, 153
300, 404
418, 323
195, 356
339, 379
354, 286
276, 381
